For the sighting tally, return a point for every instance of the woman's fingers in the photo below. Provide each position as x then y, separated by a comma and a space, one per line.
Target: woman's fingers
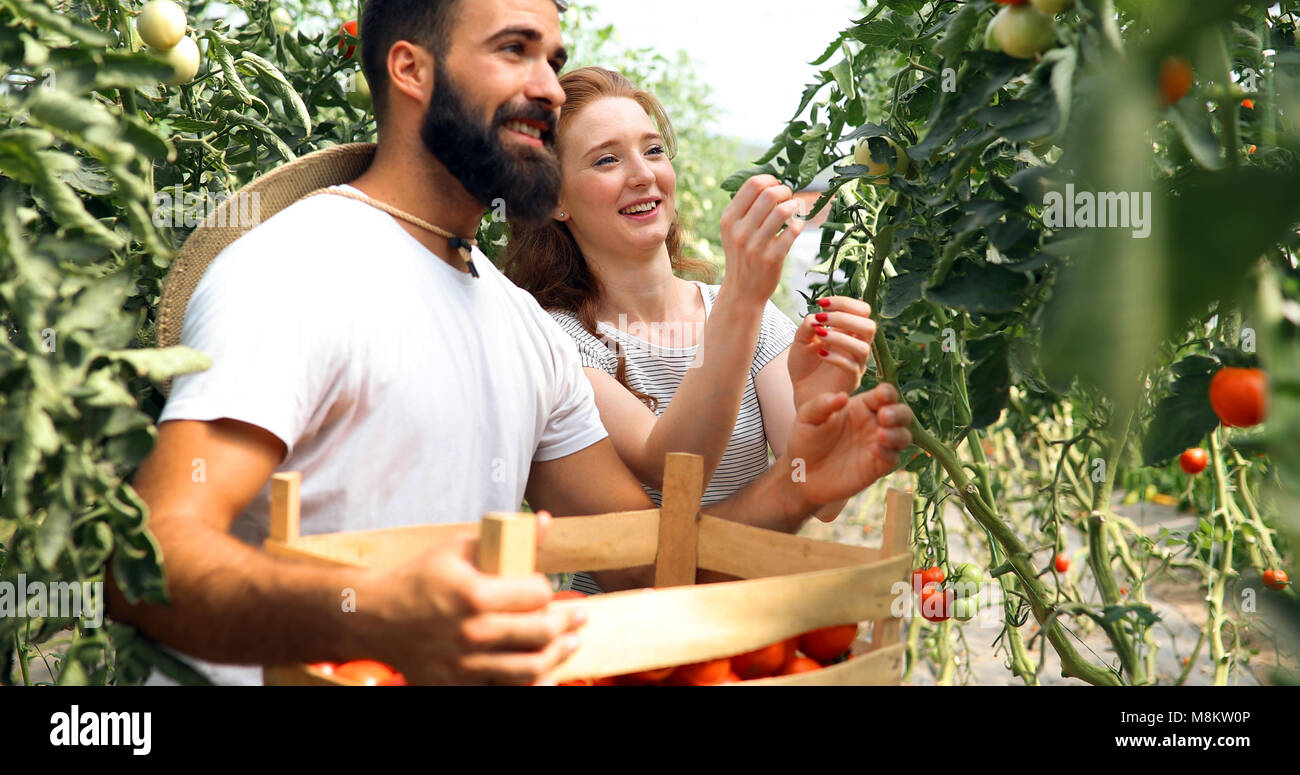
777, 217
894, 438
768, 200
845, 304
842, 361
745, 198
856, 349
860, 326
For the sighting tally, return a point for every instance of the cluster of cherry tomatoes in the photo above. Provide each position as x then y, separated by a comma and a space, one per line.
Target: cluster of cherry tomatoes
162, 25
960, 600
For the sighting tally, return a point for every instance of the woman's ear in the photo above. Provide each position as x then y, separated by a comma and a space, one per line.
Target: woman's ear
561, 214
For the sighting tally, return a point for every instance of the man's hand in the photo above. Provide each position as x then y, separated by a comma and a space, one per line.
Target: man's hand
846, 444
443, 622
843, 330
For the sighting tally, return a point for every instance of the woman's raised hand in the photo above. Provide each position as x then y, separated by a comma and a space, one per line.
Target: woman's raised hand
755, 251
831, 348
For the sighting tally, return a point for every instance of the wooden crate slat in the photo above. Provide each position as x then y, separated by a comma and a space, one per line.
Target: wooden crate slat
897, 534
693, 624
507, 544
752, 552
678, 545
625, 539
286, 505
881, 667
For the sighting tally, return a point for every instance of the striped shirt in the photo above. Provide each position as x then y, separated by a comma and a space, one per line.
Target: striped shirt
658, 370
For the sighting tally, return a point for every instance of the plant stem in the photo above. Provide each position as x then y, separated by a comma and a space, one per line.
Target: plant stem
1221, 659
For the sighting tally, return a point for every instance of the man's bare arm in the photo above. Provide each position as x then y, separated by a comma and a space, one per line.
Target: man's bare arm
436, 619
593, 480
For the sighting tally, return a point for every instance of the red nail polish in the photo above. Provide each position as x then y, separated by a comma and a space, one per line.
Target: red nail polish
824, 303
822, 317
823, 353
821, 331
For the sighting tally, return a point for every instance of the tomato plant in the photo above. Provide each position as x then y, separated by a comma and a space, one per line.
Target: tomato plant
1056, 357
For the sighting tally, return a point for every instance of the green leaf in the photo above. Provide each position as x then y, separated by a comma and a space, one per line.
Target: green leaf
39, 430
882, 33
989, 383
282, 88
1184, 417
229, 73
62, 23
53, 534
147, 139
974, 288
97, 305
957, 35
1192, 120
164, 363
137, 568
20, 153
1065, 60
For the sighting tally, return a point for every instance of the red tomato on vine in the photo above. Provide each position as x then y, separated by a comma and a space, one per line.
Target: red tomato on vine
1175, 79
1194, 460
1276, 579
1062, 563
936, 603
1239, 396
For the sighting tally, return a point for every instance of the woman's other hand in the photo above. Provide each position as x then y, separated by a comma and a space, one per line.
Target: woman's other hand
831, 349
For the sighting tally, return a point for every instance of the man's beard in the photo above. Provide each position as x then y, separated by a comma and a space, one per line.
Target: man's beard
526, 179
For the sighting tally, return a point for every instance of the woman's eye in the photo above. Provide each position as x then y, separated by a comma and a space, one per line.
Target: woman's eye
656, 149
601, 161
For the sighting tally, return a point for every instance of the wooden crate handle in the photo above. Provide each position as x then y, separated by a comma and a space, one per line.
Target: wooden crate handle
898, 529
507, 544
677, 555
286, 506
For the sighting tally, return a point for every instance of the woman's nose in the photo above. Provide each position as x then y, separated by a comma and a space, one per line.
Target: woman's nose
640, 172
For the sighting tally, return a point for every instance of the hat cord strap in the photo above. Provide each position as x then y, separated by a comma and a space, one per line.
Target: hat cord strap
458, 244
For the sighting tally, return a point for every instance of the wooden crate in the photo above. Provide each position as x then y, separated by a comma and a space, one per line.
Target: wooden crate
789, 585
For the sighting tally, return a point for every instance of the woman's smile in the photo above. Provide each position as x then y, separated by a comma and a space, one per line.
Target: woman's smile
642, 210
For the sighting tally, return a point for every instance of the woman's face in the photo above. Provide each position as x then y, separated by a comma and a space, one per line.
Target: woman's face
618, 183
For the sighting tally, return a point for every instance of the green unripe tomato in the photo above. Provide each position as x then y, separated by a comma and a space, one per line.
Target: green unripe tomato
882, 157
184, 59
161, 24
281, 20
965, 608
990, 42
359, 97
968, 579
1022, 31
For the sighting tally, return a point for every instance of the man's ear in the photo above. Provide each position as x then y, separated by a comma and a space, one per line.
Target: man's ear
412, 71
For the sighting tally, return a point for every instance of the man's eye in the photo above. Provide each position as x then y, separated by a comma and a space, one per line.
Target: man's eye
514, 48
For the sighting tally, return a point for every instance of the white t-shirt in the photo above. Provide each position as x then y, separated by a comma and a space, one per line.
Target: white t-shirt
407, 392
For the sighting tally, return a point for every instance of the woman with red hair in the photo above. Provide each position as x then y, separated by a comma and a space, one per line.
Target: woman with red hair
607, 268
